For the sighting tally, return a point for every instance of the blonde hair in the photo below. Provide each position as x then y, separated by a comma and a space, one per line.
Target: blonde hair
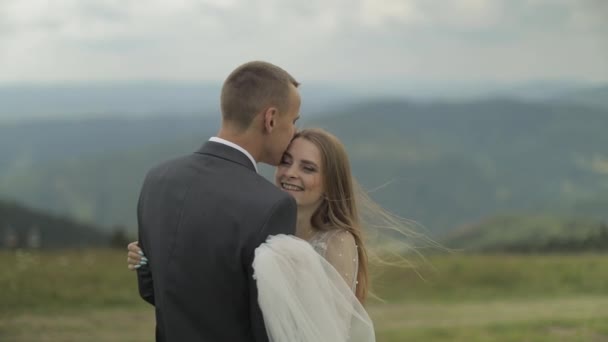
337, 209
340, 209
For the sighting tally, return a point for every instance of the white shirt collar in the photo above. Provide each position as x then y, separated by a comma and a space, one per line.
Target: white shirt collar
237, 147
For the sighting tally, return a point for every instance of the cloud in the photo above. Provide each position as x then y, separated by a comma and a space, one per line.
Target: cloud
321, 39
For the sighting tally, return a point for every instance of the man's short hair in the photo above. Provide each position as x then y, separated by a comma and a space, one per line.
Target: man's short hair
251, 88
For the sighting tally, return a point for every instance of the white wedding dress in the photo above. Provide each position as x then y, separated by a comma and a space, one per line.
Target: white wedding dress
304, 297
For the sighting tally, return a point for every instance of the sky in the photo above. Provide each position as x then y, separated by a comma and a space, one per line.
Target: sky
364, 41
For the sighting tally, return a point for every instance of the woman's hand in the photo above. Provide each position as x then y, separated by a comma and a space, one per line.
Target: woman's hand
135, 257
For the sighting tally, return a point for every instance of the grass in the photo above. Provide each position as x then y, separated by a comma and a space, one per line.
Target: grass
90, 295
102, 324
58, 280
461, 277
499, 320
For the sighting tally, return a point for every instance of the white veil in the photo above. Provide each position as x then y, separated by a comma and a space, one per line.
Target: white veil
303, 298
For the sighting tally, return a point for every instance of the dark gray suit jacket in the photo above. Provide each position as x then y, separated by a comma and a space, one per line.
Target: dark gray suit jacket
200, 219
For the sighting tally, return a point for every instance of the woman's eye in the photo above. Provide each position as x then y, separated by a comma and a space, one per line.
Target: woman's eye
309, 169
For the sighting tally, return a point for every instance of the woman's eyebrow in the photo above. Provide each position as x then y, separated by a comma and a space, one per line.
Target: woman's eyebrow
304, 161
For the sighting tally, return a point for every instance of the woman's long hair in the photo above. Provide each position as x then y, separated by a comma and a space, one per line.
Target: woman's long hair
338, 209
346, 206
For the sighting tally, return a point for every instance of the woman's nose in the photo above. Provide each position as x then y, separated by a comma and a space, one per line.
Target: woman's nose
291, 172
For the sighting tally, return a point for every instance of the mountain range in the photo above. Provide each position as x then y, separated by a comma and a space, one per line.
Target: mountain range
444, 163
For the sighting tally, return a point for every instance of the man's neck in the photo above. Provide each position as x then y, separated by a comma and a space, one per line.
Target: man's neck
244, 140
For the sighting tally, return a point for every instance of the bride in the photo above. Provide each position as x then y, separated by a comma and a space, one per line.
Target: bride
311, 287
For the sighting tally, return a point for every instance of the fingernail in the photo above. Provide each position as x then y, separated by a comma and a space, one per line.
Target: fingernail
144, 258
140, 253
137, 266
143, 262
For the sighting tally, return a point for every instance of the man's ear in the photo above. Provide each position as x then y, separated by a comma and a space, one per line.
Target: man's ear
270, 119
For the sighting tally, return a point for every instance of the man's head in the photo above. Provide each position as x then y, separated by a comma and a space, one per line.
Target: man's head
262, 100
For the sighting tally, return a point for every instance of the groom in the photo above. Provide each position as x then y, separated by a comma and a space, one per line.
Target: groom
202, 216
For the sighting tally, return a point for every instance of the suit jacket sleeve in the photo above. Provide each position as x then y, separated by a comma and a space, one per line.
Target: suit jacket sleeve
144, 275
282, 220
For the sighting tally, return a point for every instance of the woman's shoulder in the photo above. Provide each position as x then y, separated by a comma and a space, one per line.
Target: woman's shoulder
334, 237
341, 235
328, 233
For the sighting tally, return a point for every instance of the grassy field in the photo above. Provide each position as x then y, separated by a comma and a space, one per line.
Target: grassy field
89, 295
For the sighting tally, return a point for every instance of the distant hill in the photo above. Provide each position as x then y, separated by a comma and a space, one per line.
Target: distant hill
145, 99
595, 97
530, 233
458, 162
441, 164
24, 227
86, 100
138, 99
26, 145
